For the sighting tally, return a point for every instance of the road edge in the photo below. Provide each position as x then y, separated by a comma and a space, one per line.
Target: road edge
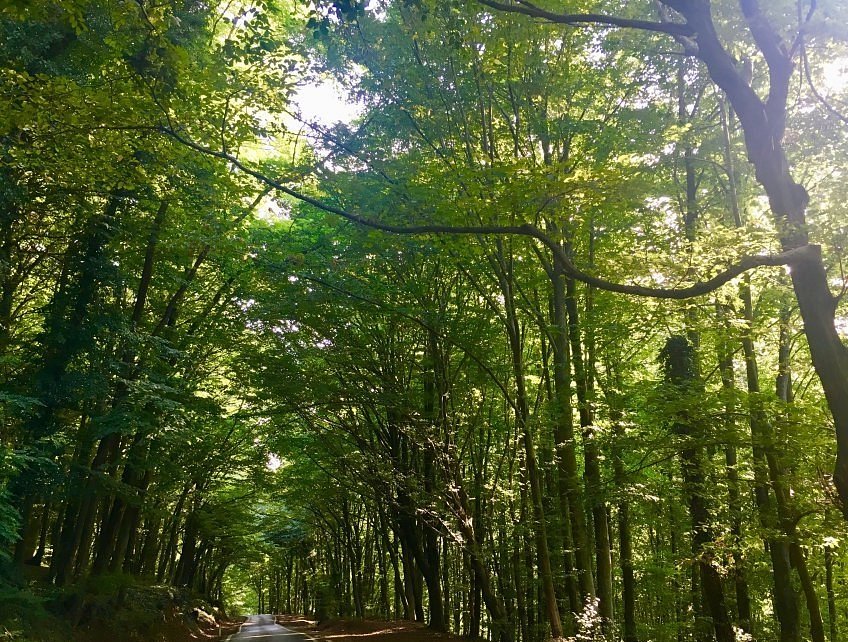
306, 635
231, 635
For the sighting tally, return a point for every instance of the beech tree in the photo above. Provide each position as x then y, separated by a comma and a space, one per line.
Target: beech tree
694, 26
764, 122
527, 350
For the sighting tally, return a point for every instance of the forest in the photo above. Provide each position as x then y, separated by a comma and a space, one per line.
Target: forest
542, 339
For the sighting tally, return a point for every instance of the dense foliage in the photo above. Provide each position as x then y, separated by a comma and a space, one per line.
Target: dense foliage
479, 356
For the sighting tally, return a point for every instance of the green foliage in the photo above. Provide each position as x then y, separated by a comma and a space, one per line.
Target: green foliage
9, 527
211, 386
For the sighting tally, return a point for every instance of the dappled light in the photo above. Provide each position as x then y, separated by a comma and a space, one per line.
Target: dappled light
423, 320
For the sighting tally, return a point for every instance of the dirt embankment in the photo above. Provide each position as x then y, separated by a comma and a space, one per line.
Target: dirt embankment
364, 630
110, 613
200, 625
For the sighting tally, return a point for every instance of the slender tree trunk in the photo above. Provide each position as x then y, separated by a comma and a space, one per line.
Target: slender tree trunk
391, 549
766, 469
679, 358
150, 546
166, 562
569, 488
412, 589
734, 501
676, 584
42, 537
625, 542
502, 627
785, 511
682, 361
831, 593
799, 561
434, 392
8, 284
594, 482
522, 413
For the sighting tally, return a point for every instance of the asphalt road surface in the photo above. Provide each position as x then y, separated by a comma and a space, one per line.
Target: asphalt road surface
261, 628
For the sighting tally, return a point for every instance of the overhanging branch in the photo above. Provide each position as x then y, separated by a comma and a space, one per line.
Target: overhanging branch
582, 19
697, 289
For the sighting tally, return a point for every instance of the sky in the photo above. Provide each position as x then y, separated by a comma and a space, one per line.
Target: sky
326, 103
835, 75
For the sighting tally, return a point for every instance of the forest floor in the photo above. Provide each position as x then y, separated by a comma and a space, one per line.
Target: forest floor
363, 630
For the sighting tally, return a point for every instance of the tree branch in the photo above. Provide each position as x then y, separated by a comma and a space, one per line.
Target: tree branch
802, 26
779, 62
424, 325
581, 19
808, 75
698, 37
697, 289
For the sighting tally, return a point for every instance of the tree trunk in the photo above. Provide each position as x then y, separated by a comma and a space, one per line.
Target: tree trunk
482, 583
569, 488
679, 359
799, 561
522, 413
594, 482
766, 469
831, 593
734, 500
625, 544
764, 125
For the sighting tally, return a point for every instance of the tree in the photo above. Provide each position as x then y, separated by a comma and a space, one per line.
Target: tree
764, 122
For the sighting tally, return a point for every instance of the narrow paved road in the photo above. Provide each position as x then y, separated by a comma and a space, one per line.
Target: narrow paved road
261, 628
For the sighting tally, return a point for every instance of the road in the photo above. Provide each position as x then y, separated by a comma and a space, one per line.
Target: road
261, 628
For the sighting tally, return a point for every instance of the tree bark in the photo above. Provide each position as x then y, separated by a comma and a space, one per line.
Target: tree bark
831, 593
482, 583
766, 469
734, 500
625, 542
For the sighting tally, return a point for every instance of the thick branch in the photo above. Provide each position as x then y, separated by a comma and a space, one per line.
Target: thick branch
762, 123
779, 63
744, 264
580, 19
697, 289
